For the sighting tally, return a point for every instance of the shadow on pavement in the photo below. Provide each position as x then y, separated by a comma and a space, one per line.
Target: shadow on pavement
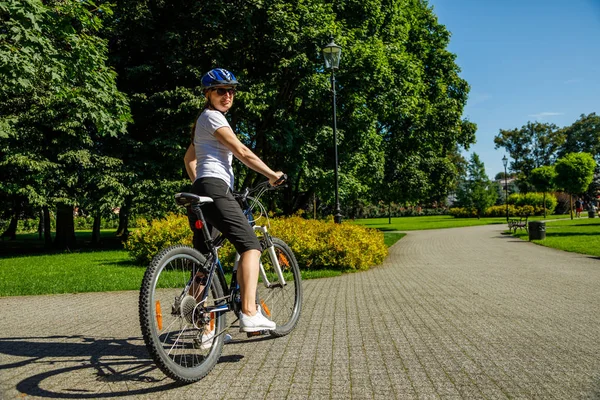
108, 361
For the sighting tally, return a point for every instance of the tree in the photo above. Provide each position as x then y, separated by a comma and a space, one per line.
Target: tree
477, 192
542, 179
400, 96
582, 136
574, 173
533, 145
59, 106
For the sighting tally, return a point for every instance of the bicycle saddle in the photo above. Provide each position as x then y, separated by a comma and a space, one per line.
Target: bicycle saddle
188, 199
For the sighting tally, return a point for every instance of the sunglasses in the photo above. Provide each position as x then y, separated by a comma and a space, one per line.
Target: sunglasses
222, 91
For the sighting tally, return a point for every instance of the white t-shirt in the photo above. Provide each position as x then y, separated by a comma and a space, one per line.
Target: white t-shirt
212, 158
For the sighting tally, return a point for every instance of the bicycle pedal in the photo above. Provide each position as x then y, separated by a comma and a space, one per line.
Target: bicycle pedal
257, 333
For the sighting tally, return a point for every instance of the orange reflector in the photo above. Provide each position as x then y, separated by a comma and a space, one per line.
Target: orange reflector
265, 308
198, 224
283, 261
212, 321
158, 315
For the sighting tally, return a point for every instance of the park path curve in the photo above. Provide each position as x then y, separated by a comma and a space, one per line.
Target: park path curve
457, 313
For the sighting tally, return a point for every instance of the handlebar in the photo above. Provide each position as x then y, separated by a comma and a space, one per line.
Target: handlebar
261, 188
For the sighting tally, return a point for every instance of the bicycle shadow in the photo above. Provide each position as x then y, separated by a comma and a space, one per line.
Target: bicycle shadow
110, 361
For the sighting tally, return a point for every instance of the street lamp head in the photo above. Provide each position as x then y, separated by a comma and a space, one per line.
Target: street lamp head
332, 54
505, 161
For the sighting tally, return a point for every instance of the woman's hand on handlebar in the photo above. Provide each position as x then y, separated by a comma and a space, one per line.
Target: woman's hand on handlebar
278, 179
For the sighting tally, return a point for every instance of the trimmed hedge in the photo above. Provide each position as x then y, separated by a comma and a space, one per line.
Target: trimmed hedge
316, 244
535, 200
519, 205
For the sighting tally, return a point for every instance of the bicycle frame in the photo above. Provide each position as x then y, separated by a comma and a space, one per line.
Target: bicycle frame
213, 245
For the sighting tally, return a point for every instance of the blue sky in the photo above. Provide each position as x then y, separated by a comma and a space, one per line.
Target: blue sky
525, 60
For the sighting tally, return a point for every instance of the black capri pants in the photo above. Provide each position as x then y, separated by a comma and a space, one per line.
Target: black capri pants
224, 214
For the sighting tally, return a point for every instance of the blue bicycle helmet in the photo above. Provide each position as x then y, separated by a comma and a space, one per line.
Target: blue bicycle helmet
218, 77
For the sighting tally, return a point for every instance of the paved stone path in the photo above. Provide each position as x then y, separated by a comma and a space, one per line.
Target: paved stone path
461, 313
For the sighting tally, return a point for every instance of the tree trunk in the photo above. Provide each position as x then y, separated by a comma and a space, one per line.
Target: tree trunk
544, 205
47, 227
96, 229
41, 226
123, 229
65, 227
571, 205
390, 213
11, 231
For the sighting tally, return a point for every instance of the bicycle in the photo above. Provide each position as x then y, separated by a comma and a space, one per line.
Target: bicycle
184, 296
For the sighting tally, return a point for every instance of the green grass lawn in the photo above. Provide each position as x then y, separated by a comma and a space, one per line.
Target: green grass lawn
86, 270
89, 271
581, 235
434, 222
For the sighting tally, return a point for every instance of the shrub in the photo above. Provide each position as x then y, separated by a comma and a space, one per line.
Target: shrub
525, 211
461, 212
316, 244
151, 237
535, 200
325, 244
500, 211
563, 203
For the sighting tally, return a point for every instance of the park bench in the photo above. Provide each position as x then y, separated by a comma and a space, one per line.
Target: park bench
514, 224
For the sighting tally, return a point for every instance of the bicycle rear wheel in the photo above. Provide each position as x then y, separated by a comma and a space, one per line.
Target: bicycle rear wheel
182, 338
281, 303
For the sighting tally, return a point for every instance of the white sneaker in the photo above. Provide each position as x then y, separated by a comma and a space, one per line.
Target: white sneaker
255, 323
206, 340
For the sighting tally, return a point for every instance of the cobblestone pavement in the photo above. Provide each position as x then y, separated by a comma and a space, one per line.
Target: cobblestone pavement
461, 313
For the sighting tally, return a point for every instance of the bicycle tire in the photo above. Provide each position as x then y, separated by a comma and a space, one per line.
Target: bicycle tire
282, 304
176, 339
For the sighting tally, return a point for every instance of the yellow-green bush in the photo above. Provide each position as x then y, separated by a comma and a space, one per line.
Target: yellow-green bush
535, 200
316, 244
461, 212
325, 244
151, 237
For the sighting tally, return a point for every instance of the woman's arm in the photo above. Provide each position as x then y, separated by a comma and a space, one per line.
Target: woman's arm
190, 162
228, 139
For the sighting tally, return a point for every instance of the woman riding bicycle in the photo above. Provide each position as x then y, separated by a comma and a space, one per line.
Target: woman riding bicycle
208, 162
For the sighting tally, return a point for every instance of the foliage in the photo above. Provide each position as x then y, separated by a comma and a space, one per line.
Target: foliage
152, 236
477, 192
543, 177
399, 95
60, 110
563, 205
493, 211
535, 200
582, 136
324, 244
316, 244
574, 172
497, 211
533, 145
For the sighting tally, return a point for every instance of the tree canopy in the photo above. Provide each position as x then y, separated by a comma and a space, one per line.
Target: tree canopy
60, 110
66, 136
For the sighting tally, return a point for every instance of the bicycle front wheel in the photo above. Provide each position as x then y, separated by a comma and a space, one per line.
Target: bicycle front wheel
282, 303
182, 337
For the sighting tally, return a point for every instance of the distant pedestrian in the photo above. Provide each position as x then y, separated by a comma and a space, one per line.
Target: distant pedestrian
578, 207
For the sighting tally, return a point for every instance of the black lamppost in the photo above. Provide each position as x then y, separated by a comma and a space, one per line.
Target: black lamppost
505, 162
332, 54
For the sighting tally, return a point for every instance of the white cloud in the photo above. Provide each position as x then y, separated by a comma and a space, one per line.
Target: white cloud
545, 114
